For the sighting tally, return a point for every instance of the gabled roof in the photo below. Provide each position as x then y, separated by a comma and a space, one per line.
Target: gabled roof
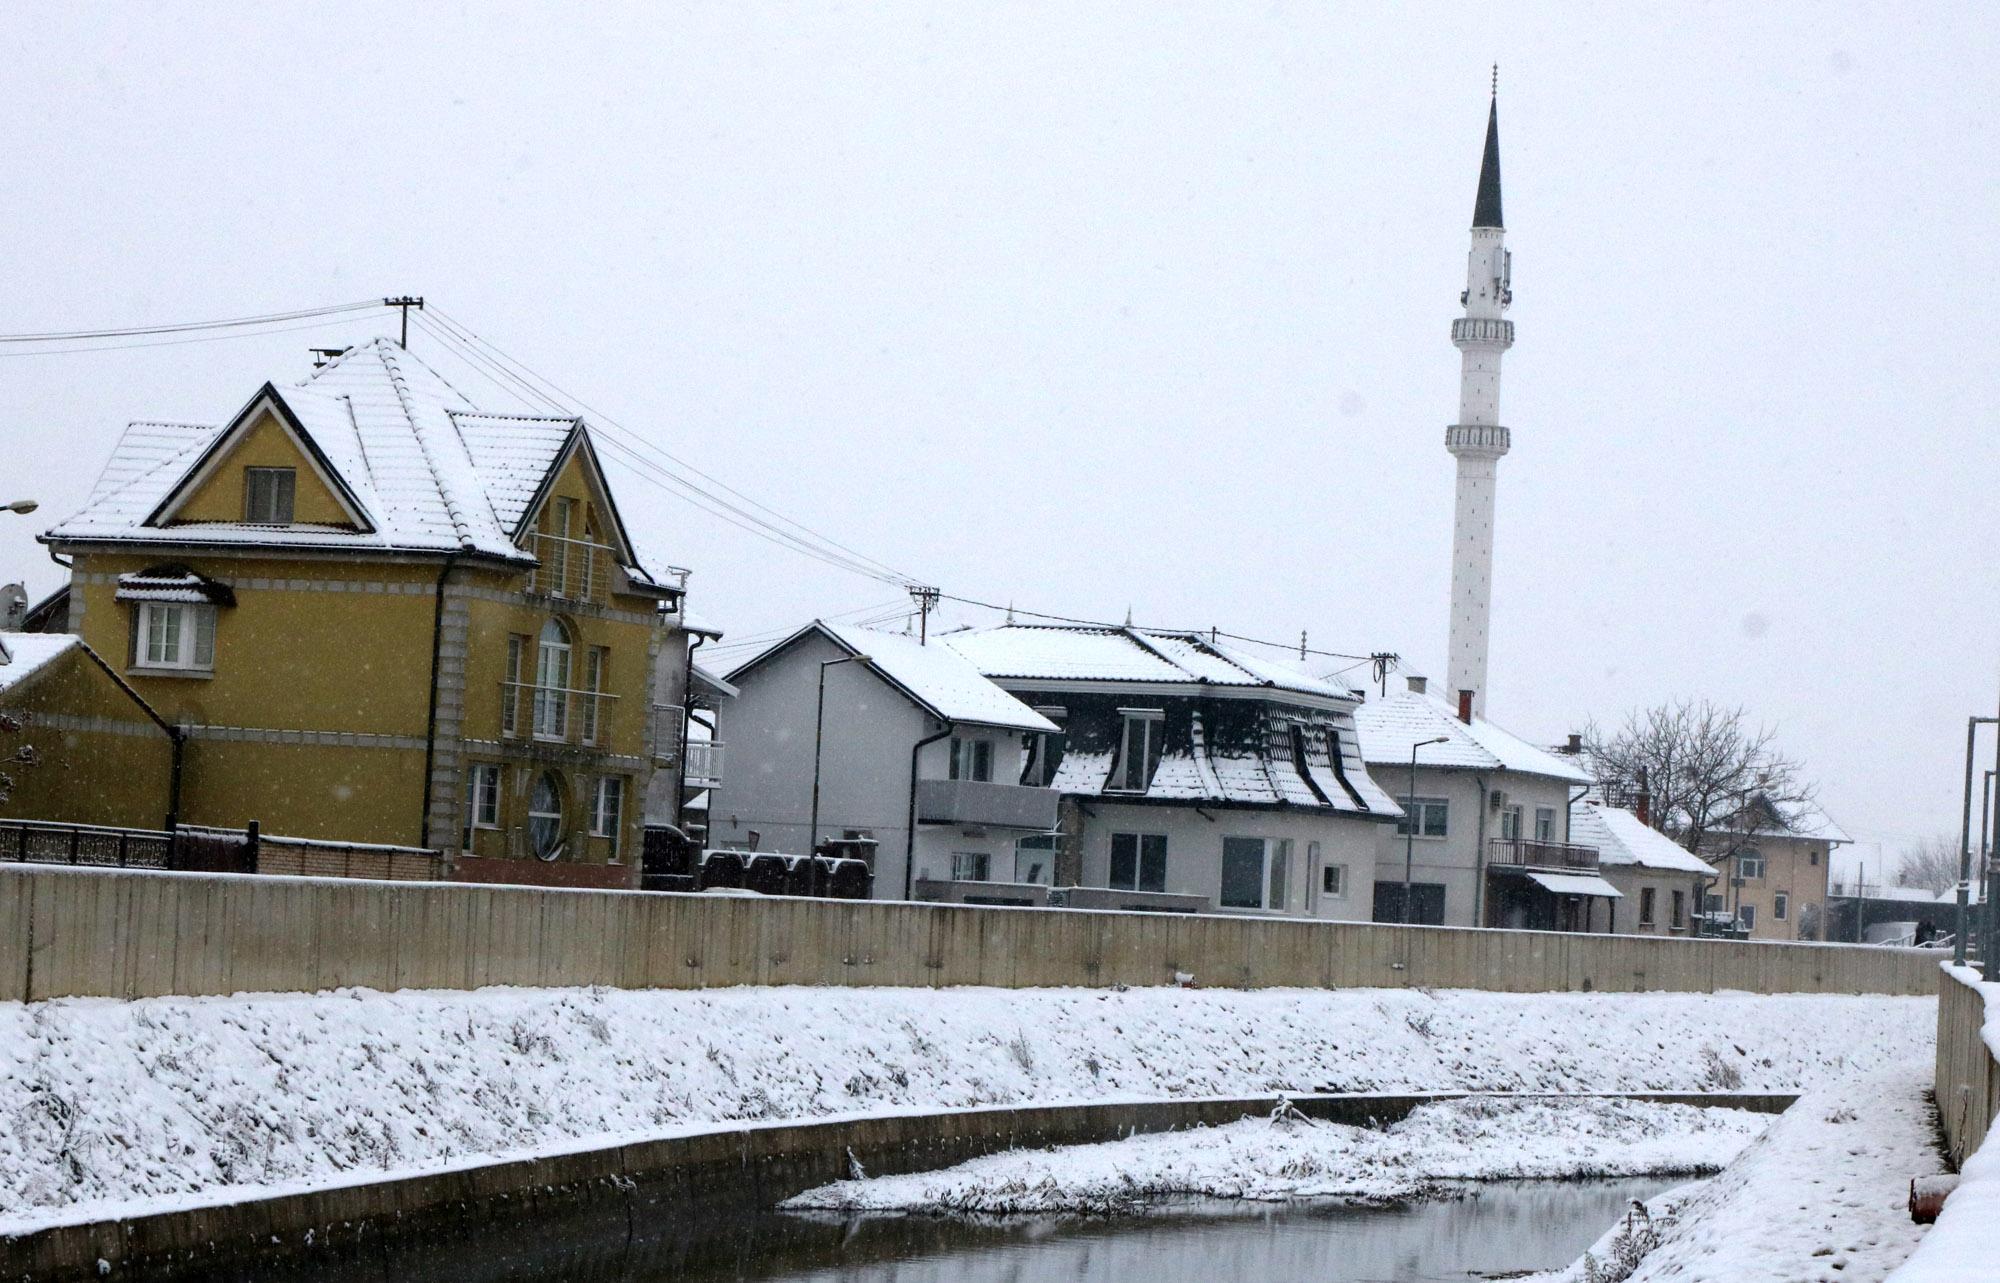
933, 677
1392, 725
1015, 653
1621, 838
1763, 817
22, 655
427, 469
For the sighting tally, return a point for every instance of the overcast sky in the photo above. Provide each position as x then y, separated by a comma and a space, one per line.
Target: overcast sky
1104, 307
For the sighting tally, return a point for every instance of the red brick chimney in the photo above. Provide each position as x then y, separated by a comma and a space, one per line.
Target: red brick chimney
1575, 748
1465, 707
1644, 807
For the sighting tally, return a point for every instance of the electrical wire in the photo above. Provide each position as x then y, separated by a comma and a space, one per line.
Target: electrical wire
205, 338
181, 327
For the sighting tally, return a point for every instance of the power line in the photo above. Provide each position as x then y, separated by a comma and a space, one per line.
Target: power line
1292, 647
181, 327
206, 338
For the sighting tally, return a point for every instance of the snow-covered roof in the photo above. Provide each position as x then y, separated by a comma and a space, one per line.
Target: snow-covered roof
425, 469
22, 655
1391, 726
1079, 652
1794, 820
934, 677
1621, 838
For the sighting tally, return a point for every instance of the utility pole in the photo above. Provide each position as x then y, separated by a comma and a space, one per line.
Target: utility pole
1963, 919
927, 600
406, 302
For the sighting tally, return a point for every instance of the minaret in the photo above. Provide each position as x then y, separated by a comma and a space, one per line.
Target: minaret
1477, 440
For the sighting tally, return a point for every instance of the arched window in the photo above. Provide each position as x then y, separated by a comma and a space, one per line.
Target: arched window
552, 672
545, 817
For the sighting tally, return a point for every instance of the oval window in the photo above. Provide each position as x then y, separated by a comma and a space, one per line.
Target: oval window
545, 817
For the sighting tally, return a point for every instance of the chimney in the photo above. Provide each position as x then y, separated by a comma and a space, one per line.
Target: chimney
1417, 684
1644, 808
1465, 707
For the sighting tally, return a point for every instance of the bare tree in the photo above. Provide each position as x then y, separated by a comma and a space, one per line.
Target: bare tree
1931, 864
1699, 762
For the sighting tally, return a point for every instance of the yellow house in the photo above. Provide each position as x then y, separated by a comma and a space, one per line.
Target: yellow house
77, 744
378, 613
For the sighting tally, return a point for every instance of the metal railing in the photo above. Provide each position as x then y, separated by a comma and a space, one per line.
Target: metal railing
552, 714
1530, 854
41, 842
704, 763
573, 569
668, 728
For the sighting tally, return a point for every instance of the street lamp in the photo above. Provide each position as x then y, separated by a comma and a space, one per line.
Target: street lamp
819, 725
1962, 921
23, 505
1410, 822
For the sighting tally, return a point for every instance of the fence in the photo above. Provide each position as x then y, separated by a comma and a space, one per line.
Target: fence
1968, 1079
67, 932
200, 849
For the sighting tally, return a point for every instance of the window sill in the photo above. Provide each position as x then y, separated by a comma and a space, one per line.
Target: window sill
192, 674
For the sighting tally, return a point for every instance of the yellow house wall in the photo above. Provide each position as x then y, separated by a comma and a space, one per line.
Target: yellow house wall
305, 790
265, 445
118, 775
1788, 868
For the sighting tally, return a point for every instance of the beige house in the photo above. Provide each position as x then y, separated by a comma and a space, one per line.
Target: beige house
1660, 884
1774, 858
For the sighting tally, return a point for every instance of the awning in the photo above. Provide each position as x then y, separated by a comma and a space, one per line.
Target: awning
1574, 884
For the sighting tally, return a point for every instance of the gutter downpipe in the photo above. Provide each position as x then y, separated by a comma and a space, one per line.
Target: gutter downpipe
1610, 906
910, 834
687, 719
431, 716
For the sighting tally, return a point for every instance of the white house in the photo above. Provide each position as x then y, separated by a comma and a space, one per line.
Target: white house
1192, 775
1660, 883
840, 732
1490, 812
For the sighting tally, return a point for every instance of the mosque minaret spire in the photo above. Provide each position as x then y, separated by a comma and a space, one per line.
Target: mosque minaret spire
1477, 440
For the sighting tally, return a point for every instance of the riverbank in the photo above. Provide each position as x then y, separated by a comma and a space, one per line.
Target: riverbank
103, 1102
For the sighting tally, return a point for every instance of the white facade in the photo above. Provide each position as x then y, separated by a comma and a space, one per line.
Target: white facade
1302, 845
1477, 440
1480, 807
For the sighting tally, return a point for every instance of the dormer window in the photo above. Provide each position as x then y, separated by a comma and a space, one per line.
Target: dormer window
1139, 747
268, 495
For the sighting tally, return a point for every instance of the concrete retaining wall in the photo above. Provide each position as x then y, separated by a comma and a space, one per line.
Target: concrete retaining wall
122, 934
711, 1180
1968, 1079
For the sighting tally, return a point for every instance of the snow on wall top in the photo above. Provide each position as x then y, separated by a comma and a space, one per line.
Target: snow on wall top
1076, 652
1621, 838
430, 470
1392, 725
935, 676
22, 655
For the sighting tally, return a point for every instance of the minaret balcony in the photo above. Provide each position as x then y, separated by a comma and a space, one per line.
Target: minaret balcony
1482, 331
1478, 438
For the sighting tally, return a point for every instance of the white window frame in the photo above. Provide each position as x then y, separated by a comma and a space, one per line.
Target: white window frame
1338, 879
1044, 850
483, 796
1747, 860
1648, 907
1139, 841
1545, 824
187, 628
1781, 905
1510, 824
288, 492
1746, 915
1410, 805
971, 759
971, 866
1151, 724
608, 821
1275, 873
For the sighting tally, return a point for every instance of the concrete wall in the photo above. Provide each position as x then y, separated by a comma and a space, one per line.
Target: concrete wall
120, 934
1968, 1078
1194, 851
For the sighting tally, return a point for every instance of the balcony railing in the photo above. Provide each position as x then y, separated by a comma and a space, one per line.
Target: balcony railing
572, 569
704, 764
552, 714
1529, 854
976, 802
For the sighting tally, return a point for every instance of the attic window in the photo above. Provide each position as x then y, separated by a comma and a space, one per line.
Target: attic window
268, 495
1139, 748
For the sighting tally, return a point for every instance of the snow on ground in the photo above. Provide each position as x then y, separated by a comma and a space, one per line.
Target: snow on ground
1822, 1196
1290, 1156
173, 1098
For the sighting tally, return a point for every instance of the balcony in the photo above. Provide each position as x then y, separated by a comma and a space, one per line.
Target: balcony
570, 569
704, 764
980, 804
1526, 854
552, 714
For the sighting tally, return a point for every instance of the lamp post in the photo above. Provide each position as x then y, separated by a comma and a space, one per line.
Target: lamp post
23, 505
1972, 725
819, 725
1410, 822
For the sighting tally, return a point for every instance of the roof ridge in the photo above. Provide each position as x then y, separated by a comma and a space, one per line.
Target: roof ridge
399, 381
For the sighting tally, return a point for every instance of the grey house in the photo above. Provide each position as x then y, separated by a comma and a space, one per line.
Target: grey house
916, 752
1193, 776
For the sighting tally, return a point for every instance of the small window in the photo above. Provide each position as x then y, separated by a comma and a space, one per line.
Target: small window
510, 690
1510, 824
1139, 750
482, 800
1747, 915
971, 866
268, 495
1646, 906
971, 759
1429, 813
1139, 861
1042, 751
1545, 825
176, 635
1255, 872
545, 817
1035, 859
1333, 881
1781, 905
608, 810
1813, 855
596, 663
1680, 911
1712, 903
1750, 865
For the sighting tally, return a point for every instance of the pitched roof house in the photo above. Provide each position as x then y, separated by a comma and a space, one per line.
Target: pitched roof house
1660, 883
1191, 769
381, 613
